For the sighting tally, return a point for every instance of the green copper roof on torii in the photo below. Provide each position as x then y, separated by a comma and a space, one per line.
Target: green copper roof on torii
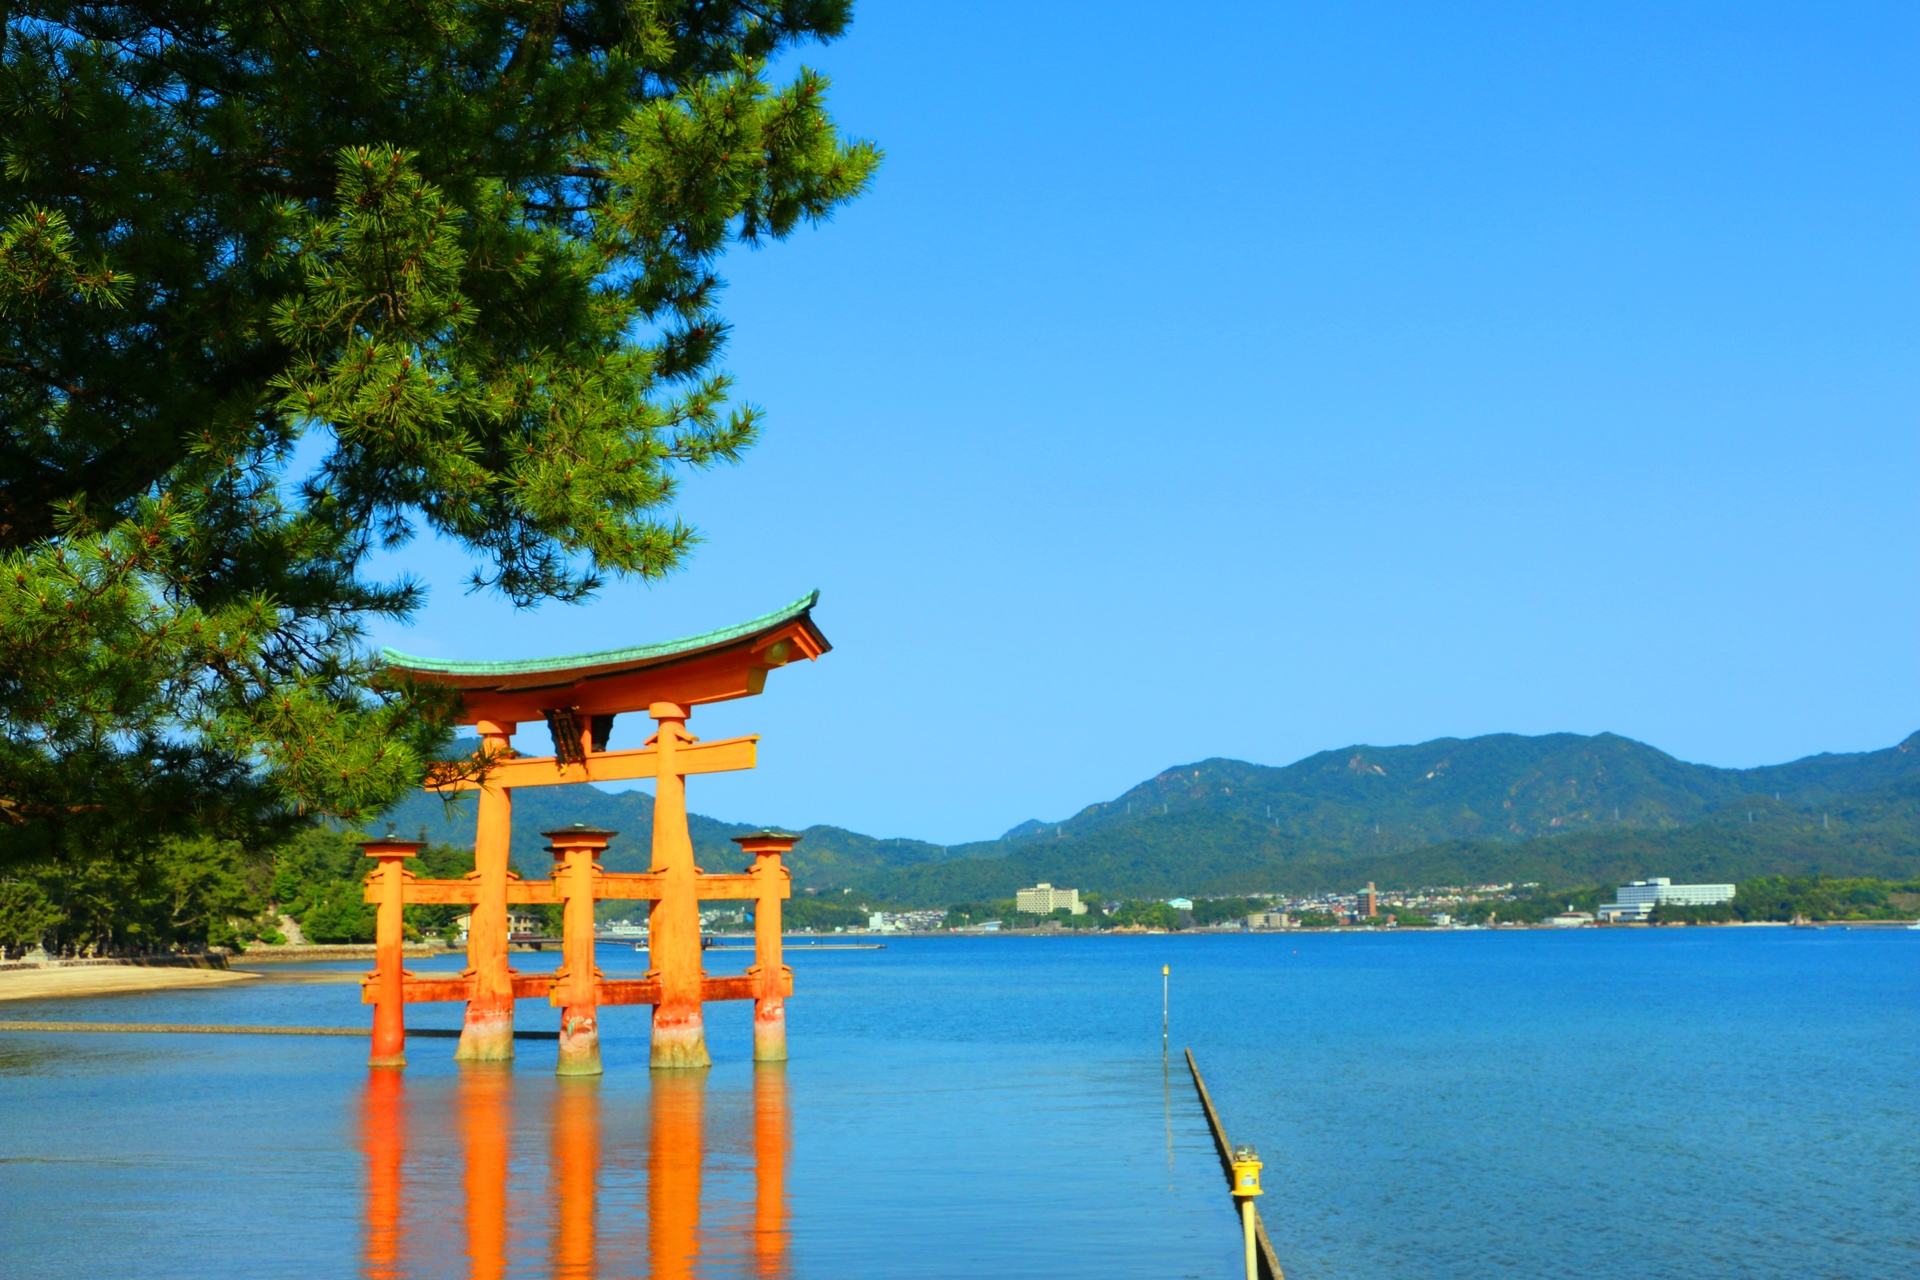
635, 655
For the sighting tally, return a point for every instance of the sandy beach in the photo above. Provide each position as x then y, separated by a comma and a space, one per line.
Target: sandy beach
57, 982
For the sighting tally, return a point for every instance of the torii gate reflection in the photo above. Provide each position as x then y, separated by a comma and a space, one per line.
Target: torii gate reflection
675, 1159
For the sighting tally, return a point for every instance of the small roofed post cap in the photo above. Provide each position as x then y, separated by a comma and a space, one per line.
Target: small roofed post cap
392, 846
579, 836
763, 842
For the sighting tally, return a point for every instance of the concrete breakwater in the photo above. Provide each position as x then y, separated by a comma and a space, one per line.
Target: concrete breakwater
53, 978
237, 1029
1268, 1262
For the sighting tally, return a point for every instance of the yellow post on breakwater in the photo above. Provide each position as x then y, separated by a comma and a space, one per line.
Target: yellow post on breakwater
1264, 1260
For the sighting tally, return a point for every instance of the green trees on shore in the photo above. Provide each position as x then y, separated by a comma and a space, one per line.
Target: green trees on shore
317, 880
823, 915
193, 893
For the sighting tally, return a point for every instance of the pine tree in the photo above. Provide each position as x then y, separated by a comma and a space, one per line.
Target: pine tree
465, 253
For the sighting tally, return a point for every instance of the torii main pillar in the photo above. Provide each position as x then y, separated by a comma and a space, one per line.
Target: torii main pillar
673, 929
487, 1033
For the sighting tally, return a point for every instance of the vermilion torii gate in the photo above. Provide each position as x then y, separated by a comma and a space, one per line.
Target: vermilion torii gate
579, 697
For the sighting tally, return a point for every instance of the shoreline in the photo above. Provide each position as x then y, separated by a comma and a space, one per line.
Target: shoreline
1346, 929
131, 975
68, 981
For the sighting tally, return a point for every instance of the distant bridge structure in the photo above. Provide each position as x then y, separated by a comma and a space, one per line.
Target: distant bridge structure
579, 697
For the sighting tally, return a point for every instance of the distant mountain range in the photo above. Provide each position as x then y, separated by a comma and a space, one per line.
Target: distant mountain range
1561, 809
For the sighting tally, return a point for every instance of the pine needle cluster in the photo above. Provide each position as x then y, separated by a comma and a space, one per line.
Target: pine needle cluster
462, 252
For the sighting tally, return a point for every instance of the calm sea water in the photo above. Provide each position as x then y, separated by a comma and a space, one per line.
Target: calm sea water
1672, 1103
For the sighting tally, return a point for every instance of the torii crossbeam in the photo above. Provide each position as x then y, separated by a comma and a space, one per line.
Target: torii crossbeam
578, 697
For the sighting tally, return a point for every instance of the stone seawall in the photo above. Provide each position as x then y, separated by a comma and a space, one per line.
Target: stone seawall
209, 960
344, 951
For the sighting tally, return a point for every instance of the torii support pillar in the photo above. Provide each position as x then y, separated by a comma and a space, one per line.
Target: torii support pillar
576, 986
390, 877
774, 882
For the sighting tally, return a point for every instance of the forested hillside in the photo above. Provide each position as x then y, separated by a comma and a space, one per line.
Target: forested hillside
1204, 852
1363, 800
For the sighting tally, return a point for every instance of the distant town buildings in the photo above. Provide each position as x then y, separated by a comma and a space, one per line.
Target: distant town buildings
1441, 906
1637, 900
519, 924
907, 921
1043, 899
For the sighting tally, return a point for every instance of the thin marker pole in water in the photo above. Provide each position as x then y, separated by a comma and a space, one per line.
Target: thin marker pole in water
1166, 1077
1164, 971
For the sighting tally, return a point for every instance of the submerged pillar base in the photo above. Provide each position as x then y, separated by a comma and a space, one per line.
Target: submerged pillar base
679, 1042
487, 1035
579, 1043
770, 1030
389, 1037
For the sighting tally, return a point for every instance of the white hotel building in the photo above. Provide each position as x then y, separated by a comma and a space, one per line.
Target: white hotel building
1044, 899
1636, 901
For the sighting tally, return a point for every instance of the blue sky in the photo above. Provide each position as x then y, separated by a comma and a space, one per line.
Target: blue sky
1259, 379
